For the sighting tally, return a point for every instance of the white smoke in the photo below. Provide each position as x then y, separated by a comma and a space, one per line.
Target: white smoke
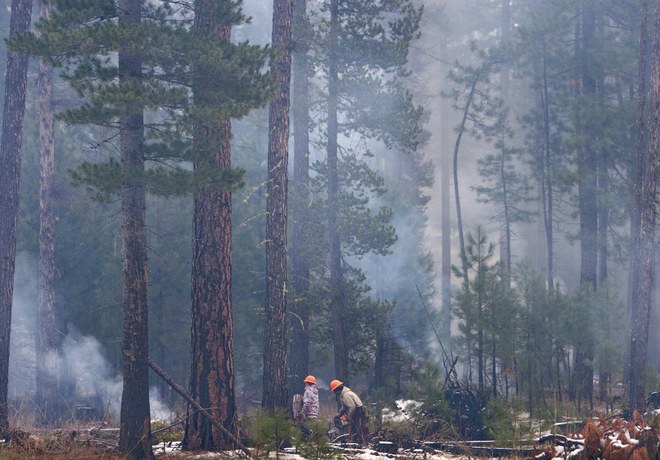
24, 321
80, 363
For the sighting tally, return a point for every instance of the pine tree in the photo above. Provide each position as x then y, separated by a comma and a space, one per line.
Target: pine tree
531, 355
135, 417
539, 37
644, 215
10, 173
578, 138
476, 106
275, 346
587, 169
48, 343
484, 305
212, 378
364, 59
146, 94
300, 273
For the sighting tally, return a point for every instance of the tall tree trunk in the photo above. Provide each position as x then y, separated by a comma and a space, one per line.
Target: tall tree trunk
481, 320
135, 430
546, 163
336, 273
10, 175
275, 345
299, 350
643, 219
457, 198
505, 228
530, 376
212, 383
587, 166
46, 375
445, 200
481, 362
604, 370
493, 365
603, 223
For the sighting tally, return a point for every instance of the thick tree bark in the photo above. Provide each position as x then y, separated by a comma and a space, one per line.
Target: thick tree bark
299, 348
275, 345
643, 219
179, 389
336, 272
135, 430
46, 375
10, 174
212, 383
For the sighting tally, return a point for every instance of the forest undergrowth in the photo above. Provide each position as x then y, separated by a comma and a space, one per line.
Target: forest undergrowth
510, 426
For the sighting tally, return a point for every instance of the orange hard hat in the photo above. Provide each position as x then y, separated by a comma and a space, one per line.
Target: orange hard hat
310, 379
334, 384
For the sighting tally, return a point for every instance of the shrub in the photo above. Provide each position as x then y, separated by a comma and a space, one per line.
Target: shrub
269, 431
499, 423
162, 431
314, 444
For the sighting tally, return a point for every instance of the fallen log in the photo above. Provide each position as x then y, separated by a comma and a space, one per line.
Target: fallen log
476, 449
179, 389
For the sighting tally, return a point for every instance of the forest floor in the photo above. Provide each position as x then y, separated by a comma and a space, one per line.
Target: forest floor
364, 455
99, 440
87, 442
169, 453
102, 445
172, 453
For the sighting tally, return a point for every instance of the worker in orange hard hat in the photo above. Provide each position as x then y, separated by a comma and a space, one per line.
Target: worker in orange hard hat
310, 401
353, 411
307, 406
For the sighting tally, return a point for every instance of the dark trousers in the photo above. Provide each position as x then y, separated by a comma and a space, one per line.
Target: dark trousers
304, 429
358, 425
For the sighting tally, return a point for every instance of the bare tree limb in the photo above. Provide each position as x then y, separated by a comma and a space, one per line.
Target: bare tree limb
179, 389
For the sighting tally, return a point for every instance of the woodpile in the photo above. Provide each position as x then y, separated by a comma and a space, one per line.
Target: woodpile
600, 438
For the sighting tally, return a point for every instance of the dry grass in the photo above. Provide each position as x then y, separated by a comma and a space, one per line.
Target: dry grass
78, 455
81, 444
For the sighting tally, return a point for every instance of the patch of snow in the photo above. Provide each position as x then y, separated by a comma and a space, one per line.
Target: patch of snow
174, 448
403, 412
575, 453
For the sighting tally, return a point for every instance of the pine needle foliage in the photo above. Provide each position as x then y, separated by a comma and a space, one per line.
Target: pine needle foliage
271, 431
374, 37
82, 39
316, 445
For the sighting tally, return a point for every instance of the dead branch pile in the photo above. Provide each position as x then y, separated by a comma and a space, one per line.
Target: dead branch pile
615, 439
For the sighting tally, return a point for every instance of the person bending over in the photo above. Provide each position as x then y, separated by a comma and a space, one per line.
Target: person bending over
353, 410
